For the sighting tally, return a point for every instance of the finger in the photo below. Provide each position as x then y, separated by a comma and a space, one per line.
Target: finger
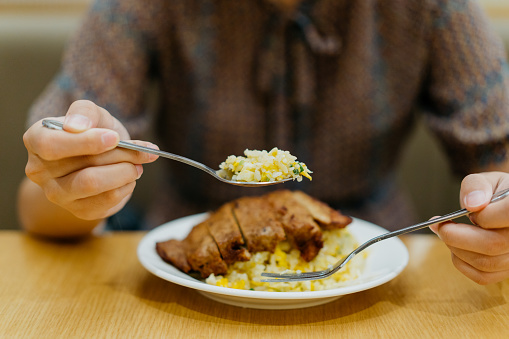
495, 215
91, 181
482, 262
476, 191
475, 239
104, 204
35, 133
119, 206
51, 144
57, 169
36, 170
84, 114
434, 227
480, 277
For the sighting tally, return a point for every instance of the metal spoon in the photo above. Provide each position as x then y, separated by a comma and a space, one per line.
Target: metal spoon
57, 125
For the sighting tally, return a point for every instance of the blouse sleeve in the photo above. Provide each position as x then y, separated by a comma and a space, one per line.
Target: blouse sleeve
467, 93
107, 61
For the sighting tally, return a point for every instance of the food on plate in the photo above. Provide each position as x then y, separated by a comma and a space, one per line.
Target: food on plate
223, 228
279, 231
301, 229
253, 212
198, 252
336, 244
258, 166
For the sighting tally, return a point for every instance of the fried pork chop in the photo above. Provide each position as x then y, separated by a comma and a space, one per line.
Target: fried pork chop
226, 233
198, 252
301, 229
253, 224
325, 216
174, 252
259, 224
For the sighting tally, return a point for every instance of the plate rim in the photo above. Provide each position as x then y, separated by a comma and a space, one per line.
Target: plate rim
148, 243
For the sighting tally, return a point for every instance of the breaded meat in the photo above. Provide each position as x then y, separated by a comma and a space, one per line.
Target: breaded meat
300, 228
248, 225
259, 224
226, 233
327, 217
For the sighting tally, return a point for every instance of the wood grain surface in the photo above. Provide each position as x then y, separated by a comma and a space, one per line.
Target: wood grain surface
96, 288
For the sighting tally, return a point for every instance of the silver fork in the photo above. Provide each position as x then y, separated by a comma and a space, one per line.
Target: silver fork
55, 124
287, 277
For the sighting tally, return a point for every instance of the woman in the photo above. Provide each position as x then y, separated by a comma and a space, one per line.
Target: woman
336, 82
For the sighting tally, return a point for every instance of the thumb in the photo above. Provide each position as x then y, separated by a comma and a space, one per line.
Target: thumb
83, 115
476, 192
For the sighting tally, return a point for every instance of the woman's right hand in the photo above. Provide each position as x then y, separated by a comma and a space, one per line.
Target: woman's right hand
80, 169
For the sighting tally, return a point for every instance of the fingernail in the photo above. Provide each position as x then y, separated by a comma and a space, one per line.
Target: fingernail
78, 122
434, 227
475, 198
152, 157
139, 168
109, 138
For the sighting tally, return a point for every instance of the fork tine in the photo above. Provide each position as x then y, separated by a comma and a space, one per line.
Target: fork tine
302, 276
286, 277
291, 275
296, 278
308, 275
289, 279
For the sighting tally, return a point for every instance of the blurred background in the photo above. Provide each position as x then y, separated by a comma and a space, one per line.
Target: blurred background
33, 34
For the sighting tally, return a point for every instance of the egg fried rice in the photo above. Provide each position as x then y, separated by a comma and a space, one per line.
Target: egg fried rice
337, 244
258, 166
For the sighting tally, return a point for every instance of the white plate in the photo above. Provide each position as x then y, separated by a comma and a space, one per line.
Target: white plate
385, 261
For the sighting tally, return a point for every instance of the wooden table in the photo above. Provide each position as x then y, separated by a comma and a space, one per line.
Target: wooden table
96, 288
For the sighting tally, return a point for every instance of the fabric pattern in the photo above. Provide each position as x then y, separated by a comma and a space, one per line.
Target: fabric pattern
338, 83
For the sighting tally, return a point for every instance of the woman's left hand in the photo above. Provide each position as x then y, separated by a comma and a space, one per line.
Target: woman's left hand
480, 251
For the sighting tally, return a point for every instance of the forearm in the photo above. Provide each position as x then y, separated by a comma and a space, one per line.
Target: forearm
39, 216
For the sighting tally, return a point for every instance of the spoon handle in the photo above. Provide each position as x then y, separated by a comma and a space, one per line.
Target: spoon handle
54, 124
164, 154
57, 125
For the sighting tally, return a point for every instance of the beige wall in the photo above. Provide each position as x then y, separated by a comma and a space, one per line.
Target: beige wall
30, 48
32, 36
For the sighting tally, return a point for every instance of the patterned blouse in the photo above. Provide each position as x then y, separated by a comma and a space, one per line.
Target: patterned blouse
338, 83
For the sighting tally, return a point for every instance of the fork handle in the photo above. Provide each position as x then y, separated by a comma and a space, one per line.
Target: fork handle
454, 215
